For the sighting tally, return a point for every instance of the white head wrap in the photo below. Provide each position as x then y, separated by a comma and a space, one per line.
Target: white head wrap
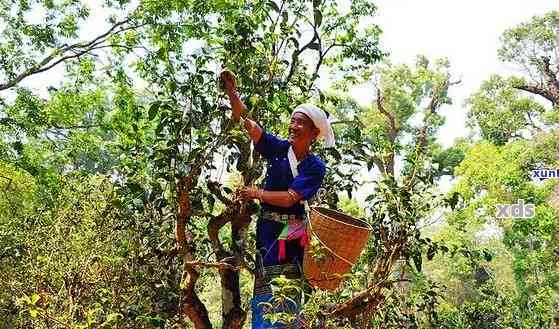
320, 120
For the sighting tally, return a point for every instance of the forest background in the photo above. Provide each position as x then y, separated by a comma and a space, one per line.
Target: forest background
117, 178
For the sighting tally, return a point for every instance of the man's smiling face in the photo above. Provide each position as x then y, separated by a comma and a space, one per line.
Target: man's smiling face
301, 130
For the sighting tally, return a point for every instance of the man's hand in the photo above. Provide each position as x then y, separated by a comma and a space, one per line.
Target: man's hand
230, 86
229, 83
238, 107
248, 193
250, 126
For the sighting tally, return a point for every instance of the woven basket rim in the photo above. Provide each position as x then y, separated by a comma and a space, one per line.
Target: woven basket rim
365, 226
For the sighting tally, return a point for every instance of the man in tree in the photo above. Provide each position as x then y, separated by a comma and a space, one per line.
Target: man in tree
294, 175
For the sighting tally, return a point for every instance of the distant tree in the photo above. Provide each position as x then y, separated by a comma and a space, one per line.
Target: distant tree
508, 108
517, 118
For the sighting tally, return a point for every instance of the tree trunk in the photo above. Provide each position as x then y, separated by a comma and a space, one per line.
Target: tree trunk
234, 316
191, 305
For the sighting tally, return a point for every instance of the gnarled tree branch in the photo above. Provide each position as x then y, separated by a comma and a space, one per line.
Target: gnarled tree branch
191, 305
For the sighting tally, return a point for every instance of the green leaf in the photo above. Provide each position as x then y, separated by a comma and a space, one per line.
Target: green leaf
113, 317
487, 255
211, 203
172, 85
33, 312
417, 261
274, 5
153, 109
24, 300
317, 18
35, 298
18, 146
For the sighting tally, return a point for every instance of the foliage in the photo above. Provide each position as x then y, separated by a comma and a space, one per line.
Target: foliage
516, 117
118, 205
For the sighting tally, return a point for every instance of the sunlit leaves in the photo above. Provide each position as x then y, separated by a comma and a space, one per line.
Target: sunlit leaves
527, 43
501, 112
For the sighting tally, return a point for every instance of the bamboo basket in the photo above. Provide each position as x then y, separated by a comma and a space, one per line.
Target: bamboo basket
336, 241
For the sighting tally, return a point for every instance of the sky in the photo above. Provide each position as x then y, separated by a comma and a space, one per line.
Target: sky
465, 32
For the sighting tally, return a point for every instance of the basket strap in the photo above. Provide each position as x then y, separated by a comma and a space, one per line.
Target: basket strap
293, 165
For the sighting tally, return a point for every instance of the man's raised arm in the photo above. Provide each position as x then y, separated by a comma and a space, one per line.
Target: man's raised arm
238, 107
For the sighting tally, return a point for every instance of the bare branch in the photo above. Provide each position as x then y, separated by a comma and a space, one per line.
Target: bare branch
349, 122
538, 90
219, 265
392, 134
297, 53
77, 50
389, 116
191, 305
216, 190
215, 224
